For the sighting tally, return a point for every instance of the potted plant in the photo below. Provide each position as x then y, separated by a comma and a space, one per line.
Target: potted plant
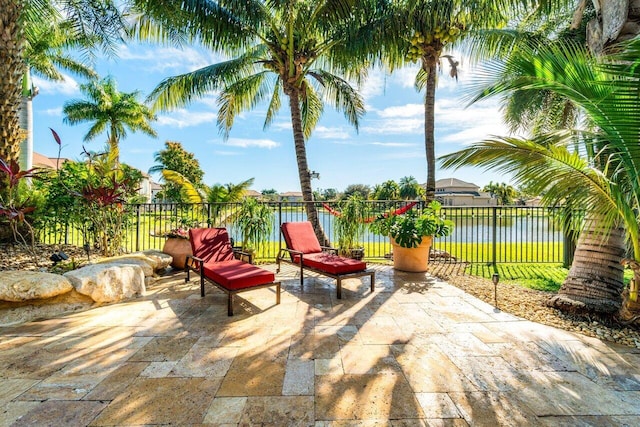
177, 244
411, 235
255, 221
349, 226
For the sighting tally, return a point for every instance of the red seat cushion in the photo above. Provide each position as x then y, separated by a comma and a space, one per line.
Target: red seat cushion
333, 264
300, 236
236, 274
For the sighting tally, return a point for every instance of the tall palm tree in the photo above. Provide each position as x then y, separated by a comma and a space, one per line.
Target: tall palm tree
110, 110
99, 18
597, 168
45, 55
299, 49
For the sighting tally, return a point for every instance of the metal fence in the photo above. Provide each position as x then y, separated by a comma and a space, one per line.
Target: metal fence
481, 234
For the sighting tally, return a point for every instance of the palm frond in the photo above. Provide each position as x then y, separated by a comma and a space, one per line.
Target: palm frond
187, 189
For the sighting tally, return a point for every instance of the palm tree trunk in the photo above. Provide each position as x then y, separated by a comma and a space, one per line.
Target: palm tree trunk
595, 281
303, 168
616, 21
11, 71
429, 67
26, 122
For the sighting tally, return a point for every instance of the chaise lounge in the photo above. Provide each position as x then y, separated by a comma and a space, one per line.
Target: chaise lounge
304, 250
214, 259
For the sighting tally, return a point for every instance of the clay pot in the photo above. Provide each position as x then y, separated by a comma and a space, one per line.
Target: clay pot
414, 260
178, 248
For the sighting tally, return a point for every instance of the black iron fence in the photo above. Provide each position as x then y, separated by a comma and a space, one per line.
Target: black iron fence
481, 235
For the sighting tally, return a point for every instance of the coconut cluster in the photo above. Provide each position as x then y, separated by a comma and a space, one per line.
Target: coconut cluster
432, 42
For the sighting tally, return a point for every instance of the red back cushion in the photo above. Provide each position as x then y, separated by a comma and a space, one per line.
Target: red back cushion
211, 244
299, 236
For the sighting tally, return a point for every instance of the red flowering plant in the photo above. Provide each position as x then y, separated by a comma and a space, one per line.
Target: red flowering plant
16, 203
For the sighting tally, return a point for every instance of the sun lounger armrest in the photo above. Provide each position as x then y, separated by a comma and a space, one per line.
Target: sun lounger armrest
292, 252
240, 254
329, 249
197, 265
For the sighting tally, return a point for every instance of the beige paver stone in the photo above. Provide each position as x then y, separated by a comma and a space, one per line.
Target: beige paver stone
116, 381
444, 422
431, 371
225, 410
490, 373
161, 401
365, 397
164, 349
493, 409
438, 405
14, 387
329, 366
368, 359
158, 369
314, 346
594, 420
14, 411
253, 376
204, 362
562, 393
299, 378
279, 411
62, 413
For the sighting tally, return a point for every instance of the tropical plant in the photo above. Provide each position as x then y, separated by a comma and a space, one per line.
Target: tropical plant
255, 221
349, 225
177, 159
45, 54
110, 110
409, 189
99, 20
504, 192
388, 190
17, 203
361, 189
298, 49
597, 167
409, 228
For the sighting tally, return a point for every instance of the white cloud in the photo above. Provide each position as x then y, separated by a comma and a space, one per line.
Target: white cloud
373, 85
68, 86
161, 59
245, 143
324, 132
393, 144
183, 118
408, 110
395, 126
405, 77
55, 112
282, 125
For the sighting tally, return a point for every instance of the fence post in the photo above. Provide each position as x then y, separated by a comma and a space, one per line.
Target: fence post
494, 236
137, 227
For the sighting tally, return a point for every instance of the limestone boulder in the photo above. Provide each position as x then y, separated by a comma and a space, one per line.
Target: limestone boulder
146, 264
162, 260
108, 282
17, 286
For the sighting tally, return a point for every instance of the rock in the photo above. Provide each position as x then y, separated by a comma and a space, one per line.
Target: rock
162, 260
108, 282
19, 286
146, 264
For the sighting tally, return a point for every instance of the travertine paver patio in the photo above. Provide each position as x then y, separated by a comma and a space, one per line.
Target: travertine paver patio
415, 352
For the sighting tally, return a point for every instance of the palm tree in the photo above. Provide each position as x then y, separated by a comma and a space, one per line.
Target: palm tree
44, 54
298, 49
98, 19
111, 111
420, 31
409, 188
597, 168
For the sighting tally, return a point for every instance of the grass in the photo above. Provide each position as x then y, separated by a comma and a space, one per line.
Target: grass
540, 277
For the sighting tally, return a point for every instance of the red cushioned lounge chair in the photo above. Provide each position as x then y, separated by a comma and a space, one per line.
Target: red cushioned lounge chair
304, 250
214, 260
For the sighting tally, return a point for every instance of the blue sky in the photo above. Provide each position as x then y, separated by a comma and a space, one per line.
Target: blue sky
389, 145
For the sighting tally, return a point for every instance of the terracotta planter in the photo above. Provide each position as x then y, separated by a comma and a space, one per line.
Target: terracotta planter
178, 248
414, 260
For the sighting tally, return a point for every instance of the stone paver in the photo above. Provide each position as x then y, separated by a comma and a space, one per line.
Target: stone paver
416, 352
